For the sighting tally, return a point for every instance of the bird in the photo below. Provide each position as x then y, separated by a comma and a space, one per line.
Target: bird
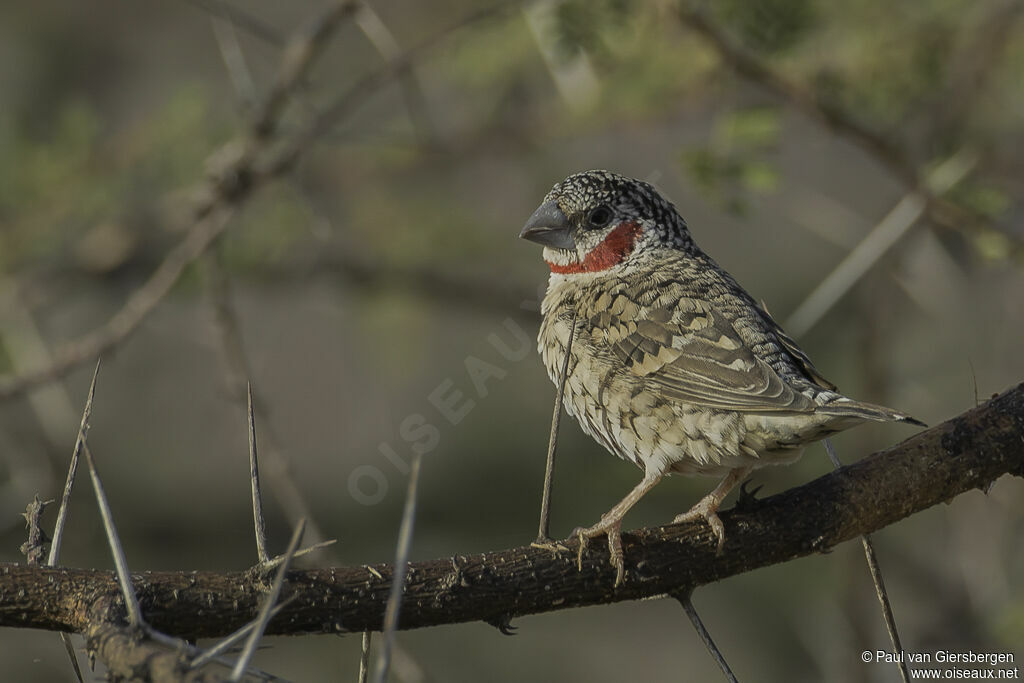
673, 366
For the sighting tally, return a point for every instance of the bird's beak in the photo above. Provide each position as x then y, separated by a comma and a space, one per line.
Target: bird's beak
549, 226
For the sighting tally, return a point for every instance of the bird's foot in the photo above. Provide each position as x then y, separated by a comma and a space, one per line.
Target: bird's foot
612, 528
706, 509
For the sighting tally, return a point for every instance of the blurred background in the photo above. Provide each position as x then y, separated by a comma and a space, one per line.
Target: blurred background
385, 265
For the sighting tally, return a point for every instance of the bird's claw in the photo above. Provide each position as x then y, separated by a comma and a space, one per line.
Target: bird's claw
708, 512
613, 530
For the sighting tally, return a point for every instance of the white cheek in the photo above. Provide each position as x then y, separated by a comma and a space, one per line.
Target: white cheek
560, 257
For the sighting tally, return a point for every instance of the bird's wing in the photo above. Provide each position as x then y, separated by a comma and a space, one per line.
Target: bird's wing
796, 352
692, 353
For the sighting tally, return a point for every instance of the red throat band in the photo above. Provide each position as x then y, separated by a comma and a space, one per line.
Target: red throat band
616, 246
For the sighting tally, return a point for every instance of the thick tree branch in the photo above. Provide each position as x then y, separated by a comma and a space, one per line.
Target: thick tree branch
966, 452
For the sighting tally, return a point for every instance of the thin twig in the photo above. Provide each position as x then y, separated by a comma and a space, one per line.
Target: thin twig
573, 76
289, 153
234, 58
228, 642
543, 531
837, 119
183, 647
364, 658
259, 522
124, 579
970, 72
401, 564
233, 184
244, 20
25, 347
62, 512
876, 244
268, 606
274, 561
698, 626
750, 66
384, 41
876, 577
299, 54
139, 305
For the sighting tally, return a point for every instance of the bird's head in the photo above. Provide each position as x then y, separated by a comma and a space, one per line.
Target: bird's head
596, 220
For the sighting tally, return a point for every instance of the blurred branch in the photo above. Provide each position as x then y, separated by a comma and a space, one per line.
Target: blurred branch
288, 154
244, 20
875, 245
842, 122
969, 451
440, 284
970, 71
134, 311
384, 41
241, 167
234, 60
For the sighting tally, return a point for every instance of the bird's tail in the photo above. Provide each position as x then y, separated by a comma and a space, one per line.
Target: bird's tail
867, 411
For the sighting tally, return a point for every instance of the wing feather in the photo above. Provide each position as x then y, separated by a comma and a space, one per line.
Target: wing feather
692, 353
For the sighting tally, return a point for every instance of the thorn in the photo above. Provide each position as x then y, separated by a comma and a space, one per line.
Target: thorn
268, 566
503, 623
83, 430
747, 500
259, 522
698, 625
124, 578
543, 535
70, 650
405, 532
227, 643
261, 622
364, 658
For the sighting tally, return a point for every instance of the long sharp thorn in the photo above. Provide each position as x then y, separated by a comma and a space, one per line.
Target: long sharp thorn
259, 522
543, 531
876, 577
62, 512
228, 642
70, 649
268, 606
364, 658
698, 625
398, 581
124, 579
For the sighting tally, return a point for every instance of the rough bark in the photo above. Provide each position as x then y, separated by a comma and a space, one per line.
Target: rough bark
969, 451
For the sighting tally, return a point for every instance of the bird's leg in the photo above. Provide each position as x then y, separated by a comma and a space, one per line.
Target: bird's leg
611, 525
707, 507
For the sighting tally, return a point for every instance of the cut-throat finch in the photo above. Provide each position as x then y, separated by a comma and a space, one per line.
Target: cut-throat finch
673, 365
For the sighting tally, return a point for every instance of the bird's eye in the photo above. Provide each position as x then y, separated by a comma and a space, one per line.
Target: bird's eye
600, 217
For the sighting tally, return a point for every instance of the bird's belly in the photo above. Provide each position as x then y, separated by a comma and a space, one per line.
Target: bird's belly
621, 412
627, 415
